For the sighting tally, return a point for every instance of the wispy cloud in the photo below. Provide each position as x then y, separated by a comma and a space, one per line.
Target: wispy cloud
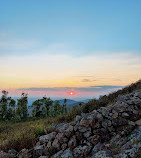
92, 88
82, 76
87, 80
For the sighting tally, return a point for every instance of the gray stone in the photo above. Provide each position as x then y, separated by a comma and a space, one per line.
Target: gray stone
58, 154
97, 148
125, 115
81, 151
56, 144
67, 154
102, 154
78, 118
48, 137
38, 151
72, 142
82, 129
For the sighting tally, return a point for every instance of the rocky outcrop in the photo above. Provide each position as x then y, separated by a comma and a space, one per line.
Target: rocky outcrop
113, 131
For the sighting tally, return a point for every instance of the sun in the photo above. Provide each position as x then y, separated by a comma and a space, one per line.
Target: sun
71, 93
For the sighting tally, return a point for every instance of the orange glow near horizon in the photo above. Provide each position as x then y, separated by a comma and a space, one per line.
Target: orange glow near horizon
72, 93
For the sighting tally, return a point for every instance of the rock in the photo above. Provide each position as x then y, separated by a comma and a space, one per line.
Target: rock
23, 153
114, 114
124, 130
12, 152
78, 118
94, 139
49, 144
67, 133
6, 155
45, 138
135, 112
63, 154
131, 123
139, 111
98, 116
38, 151
106, 123
64, 146
46, 150
102, 154
91, 121
97, 148
79, 135
125, 115
81, 151
133, 152
56, 144
84, 115
72, 142
105, 111
134, 117
63, 127
138, 122
61, 138
84, 122
70, 128
119, 121
82, 129
87, 134
67, 154
58, 154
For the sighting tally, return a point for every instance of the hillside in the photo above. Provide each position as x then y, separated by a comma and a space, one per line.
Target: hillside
114, 131
25, 134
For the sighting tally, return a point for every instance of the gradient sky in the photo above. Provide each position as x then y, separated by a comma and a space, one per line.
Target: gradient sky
89, 47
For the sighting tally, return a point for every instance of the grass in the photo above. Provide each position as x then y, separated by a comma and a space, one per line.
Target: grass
25, 134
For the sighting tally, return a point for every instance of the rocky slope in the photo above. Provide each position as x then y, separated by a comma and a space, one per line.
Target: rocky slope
113, 131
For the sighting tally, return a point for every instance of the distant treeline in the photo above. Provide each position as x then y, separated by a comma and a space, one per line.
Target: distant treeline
45, 107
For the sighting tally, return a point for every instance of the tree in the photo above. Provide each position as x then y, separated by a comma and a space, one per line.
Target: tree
22, 110
7, 105
47, 102
36, 112
3, 104
57, 108
64, 108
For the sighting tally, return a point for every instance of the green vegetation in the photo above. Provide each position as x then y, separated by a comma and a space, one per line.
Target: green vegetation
42, 108
18, 130
110, 98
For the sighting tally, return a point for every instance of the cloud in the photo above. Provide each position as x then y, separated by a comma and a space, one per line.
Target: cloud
87, 80
82, 76
92, 88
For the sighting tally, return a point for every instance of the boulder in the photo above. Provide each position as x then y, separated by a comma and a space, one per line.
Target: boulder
78, 118
102, 154
49, 137
56, 144
38, 151
138, 122
81, 151
72, 142
94, 139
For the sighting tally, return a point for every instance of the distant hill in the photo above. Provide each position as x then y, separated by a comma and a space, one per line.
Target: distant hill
69, 101
77, 104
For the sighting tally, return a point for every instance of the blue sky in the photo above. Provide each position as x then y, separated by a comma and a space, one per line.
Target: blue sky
44, 44
82, 25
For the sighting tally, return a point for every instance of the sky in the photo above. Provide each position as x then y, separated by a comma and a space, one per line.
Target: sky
69, 48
